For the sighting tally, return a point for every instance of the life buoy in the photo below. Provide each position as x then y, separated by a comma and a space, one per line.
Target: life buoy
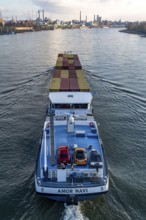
91, 124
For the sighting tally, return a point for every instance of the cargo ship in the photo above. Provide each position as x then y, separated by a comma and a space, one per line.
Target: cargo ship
71, 164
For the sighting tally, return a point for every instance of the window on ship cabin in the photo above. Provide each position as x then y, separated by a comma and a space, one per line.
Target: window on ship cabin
79, 106
62, 106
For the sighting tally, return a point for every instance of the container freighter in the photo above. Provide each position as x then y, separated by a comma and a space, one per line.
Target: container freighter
71, 164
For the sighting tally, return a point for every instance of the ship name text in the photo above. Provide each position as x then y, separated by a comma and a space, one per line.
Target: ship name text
72, 191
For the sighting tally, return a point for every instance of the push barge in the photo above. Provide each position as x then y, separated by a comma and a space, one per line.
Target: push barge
71, 164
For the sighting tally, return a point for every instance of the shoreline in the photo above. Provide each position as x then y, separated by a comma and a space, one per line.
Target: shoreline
141, 33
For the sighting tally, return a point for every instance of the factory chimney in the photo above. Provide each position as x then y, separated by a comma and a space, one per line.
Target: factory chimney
39, 14
0, 15
80, 16
43, 14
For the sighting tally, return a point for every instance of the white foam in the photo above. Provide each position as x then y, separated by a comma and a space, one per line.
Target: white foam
73, 212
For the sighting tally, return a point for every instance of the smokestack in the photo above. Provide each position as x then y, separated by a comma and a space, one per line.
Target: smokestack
86, 18
80, 17
43, 14
39, 14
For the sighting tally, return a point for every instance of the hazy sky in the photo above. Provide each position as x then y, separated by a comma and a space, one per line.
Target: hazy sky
131, 10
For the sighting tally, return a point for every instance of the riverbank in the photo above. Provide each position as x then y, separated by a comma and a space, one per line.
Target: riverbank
14, 30
141, 33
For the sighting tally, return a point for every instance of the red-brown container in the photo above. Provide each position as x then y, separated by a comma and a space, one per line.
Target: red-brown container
71, 67
64, 85
77, 62
56, 73
65, 59
76, 57
73, 84
72, 74
65, 65
78, 65
72, 71
65, 62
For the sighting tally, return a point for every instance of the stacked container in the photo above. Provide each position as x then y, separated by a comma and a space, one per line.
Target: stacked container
68, 74
55, 85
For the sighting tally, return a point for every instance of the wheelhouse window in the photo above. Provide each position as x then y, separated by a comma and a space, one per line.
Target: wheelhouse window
61, 106
82, 106
70, 106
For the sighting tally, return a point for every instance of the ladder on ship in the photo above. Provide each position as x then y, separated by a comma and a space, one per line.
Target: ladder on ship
53, 160
53, 175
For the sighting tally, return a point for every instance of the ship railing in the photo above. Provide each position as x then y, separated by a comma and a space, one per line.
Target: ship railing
52, 138
83, 175
85, 182
77, 177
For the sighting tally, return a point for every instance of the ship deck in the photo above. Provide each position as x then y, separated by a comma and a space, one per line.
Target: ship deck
84, 136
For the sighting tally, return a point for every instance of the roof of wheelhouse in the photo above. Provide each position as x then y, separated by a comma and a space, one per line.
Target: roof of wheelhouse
70, 97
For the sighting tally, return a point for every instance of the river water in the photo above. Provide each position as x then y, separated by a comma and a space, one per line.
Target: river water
115, 66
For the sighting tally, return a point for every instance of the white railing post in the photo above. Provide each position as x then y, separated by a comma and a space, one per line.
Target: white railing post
45, 152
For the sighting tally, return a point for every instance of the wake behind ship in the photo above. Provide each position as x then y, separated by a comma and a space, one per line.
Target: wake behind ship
71, 165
